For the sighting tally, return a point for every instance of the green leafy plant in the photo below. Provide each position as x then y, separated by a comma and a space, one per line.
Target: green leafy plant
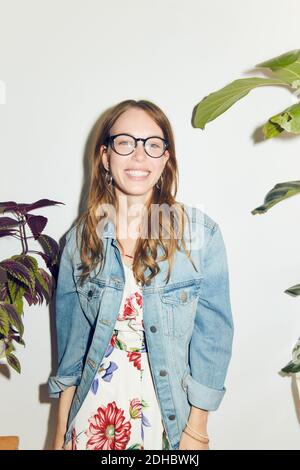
284, 71
20, 276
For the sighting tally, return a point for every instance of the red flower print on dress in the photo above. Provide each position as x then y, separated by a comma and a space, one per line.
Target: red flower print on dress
107, 430
131, 307
135, 357
113, 340
139, 299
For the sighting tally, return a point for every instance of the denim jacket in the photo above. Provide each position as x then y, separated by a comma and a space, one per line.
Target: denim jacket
188, 323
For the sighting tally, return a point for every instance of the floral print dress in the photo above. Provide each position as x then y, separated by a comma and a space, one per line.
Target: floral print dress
121, 410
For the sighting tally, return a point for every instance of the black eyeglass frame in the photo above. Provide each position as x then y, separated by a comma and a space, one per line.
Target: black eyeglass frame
110, 140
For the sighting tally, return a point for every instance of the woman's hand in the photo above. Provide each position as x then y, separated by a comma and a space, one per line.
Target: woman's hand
189, 443
58, 443
68, 446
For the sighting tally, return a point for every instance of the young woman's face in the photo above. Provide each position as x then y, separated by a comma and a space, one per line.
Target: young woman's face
137, 123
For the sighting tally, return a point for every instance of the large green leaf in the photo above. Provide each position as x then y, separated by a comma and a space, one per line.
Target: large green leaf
294, 365
20, 272
288, 120
218, 102
280, 61
14, 317
277, 194
18, 303
9, 315
29, 261
14, 362
285, 66
4, 320
43, 285
271, 129
291, 368
16, 289
294, 290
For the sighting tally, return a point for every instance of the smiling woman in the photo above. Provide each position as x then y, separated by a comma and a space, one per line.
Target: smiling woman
143, 348
137, 159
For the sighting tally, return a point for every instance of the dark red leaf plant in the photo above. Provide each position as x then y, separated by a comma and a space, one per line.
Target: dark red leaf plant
20, 275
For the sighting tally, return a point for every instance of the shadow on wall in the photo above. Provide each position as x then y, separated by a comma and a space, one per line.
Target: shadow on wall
43, 392
43, 389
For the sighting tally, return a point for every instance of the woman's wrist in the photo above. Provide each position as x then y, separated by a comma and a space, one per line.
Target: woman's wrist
198, 419
203, 438
59, 437
58, 441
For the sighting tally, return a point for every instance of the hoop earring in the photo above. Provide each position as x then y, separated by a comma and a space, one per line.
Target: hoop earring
108, 178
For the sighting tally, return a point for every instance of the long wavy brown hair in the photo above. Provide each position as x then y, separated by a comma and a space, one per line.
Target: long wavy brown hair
171, 225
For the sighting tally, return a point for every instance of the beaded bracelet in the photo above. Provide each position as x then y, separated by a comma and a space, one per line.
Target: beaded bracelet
196, 438
205, 436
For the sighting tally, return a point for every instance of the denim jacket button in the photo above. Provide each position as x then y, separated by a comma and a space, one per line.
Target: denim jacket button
163, 373
183, 295
90, 293
172, 417
153, 329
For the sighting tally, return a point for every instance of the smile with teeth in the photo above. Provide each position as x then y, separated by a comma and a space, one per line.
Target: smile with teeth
137, 173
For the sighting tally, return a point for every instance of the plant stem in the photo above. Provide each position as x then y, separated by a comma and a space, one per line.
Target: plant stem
23, 234
20, 231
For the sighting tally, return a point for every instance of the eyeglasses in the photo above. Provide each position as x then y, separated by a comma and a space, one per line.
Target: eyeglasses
125, 144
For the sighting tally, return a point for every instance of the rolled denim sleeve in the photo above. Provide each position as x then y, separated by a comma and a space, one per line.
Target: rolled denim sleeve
72, 328
211, 342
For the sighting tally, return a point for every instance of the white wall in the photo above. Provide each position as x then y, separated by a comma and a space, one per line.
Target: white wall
63, 63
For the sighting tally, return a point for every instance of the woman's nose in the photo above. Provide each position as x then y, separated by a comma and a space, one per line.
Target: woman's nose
139, 152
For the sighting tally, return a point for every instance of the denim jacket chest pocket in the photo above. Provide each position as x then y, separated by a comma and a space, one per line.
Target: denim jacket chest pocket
179, 305
90, 295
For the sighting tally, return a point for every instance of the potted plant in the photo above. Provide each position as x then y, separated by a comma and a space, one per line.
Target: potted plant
22, 278
284, 71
